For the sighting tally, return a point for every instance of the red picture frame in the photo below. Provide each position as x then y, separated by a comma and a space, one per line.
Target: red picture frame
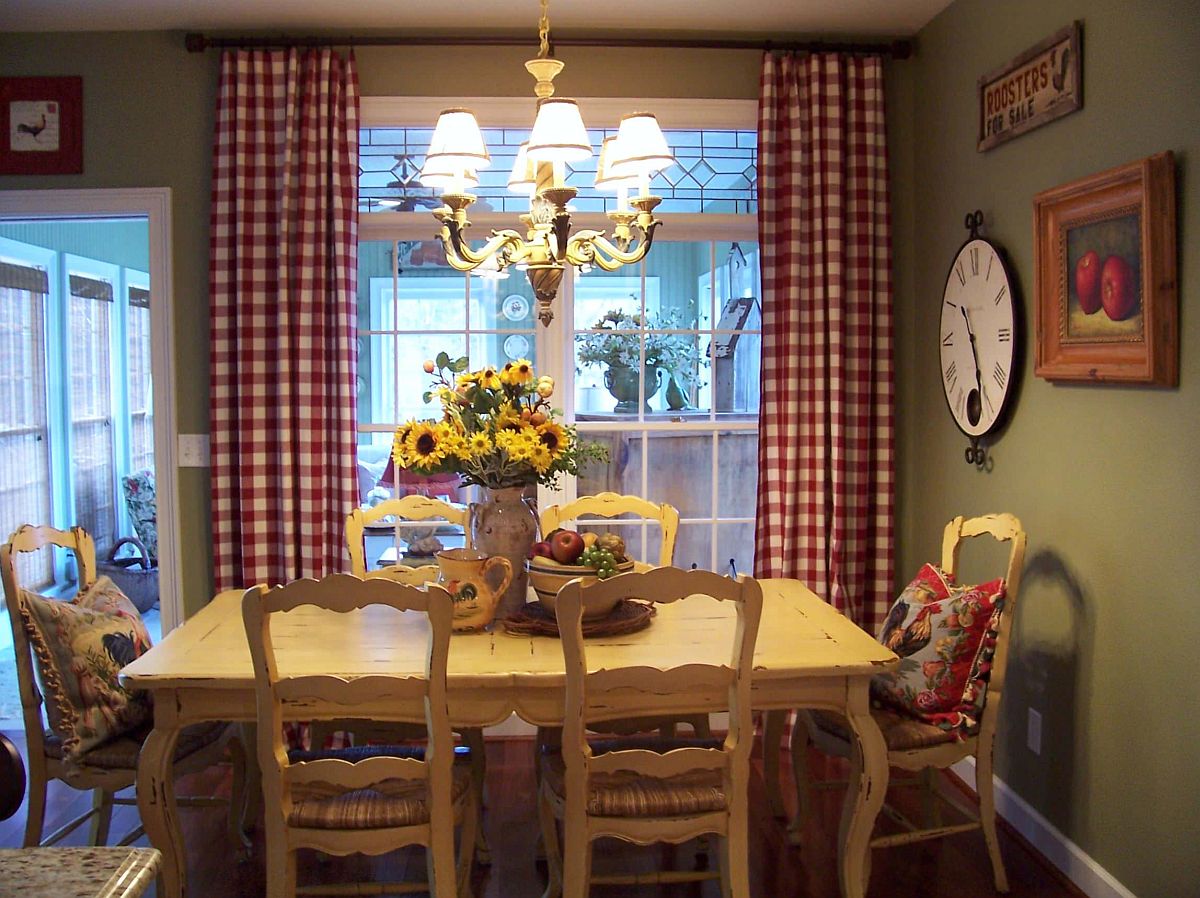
41, 126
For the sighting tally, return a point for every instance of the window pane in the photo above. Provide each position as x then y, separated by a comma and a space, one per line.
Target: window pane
393, 380
24, 446
141, 411
694, 546
736, 542
497, 349
91, 420
680, 467
599, 292
505, 303
737, 473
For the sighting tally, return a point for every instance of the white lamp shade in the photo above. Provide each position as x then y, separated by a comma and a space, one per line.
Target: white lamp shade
457, 141
558, 133
640, 147
524, 172
605, 179
440, 172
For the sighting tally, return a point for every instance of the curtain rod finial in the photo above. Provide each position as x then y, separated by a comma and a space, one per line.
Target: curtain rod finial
195, 43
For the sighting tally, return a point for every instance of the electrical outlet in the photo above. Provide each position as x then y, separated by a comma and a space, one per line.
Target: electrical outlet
1033, 732
193, 450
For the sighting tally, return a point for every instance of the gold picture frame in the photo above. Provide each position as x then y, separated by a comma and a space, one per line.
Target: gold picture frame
1106, 304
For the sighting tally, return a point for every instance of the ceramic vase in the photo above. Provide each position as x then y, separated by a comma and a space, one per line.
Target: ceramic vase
503, 524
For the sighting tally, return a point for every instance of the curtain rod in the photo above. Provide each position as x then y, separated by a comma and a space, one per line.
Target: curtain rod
897, 49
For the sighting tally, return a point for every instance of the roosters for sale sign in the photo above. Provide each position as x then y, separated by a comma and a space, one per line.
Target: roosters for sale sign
1040, 85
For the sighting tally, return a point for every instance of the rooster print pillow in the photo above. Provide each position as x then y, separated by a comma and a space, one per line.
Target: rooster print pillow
945, 635
79, 647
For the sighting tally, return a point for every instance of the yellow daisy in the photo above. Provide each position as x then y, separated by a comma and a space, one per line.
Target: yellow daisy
540, 458
465, 380
479, 444
488, 378
518, 372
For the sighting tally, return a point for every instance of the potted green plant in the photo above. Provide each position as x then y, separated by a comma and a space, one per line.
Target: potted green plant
616, 342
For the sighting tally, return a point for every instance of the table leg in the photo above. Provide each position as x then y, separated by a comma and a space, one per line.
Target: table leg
254, 796
864, 797
156, 796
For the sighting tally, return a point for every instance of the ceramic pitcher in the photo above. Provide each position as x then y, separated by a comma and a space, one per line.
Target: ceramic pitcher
470, 578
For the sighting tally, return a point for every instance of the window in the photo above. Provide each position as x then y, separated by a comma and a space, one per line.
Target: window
75, 395
673, 393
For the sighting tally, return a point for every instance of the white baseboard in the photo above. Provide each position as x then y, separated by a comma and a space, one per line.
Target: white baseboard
1075, 863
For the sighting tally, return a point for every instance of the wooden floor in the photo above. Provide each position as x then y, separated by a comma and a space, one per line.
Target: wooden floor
956, 867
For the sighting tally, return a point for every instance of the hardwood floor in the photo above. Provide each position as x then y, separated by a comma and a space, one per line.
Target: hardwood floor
956, 867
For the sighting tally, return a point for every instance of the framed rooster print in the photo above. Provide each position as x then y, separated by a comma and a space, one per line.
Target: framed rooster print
41, 126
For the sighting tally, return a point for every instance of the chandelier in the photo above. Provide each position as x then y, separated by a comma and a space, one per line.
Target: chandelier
545, 245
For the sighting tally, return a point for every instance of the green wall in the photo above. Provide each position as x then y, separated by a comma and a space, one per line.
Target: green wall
1104, 478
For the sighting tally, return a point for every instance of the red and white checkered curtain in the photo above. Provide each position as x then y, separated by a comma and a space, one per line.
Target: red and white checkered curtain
826, 421
283, 271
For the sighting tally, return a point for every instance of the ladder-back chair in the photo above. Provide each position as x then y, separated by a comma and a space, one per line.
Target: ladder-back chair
112, 766
917, 746
406, 508
650, 791
358, 800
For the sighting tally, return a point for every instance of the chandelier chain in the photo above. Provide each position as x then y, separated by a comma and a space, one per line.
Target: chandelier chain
544, 30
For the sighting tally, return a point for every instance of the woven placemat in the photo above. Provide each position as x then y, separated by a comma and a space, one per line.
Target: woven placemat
536, 620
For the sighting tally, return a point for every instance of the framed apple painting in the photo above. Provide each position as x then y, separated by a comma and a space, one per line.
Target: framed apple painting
1104, 258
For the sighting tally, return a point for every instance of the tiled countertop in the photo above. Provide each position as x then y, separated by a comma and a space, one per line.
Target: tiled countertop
78, 872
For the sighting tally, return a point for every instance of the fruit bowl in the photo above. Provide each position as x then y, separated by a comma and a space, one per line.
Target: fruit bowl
547, 577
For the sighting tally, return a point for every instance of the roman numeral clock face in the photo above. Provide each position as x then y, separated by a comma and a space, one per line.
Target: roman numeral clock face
978, 336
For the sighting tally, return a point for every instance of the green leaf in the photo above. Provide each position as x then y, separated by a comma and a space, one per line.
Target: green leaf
443, 360
459, 365
427, 396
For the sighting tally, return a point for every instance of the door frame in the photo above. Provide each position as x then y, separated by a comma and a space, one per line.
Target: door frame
154, 203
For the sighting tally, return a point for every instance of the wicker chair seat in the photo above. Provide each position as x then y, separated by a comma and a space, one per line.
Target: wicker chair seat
389, 803
122, 753
900, 733
627, 794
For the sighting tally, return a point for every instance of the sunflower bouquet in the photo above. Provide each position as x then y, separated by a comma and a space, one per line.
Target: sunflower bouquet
497, 428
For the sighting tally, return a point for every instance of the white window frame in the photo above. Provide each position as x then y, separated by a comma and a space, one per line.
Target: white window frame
153, 204
555, 344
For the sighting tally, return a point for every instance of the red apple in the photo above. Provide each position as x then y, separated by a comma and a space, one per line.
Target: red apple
542, 549
566, 546
1087, 282
1118, 292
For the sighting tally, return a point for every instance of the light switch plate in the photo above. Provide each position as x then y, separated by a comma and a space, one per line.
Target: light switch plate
193, 450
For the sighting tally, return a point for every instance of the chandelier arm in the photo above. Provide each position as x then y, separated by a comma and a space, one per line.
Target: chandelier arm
593, 247
456, 246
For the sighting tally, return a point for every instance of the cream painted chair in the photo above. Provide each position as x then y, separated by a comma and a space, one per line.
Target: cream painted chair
112, 766
916, 746
650, 791
612, 505
358, 800
406, 508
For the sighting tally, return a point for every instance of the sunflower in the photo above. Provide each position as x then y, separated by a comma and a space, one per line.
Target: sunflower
553, 437
424, 444
517, 373
466, 380
400, 445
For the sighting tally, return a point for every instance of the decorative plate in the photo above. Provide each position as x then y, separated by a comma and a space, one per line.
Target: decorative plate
516, 346
515, 307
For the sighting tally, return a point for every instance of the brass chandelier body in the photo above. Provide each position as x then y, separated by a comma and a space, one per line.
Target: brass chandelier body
547, 245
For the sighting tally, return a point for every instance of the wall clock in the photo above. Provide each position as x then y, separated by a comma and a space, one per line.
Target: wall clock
978, 338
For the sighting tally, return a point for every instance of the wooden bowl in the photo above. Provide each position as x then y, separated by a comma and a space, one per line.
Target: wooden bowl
547, 577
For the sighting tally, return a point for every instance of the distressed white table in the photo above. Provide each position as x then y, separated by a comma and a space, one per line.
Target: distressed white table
78, 872
808, 655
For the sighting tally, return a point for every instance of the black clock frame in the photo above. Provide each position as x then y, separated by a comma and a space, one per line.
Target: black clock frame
977, 454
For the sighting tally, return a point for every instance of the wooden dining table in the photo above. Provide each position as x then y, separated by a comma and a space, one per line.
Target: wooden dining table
808, 655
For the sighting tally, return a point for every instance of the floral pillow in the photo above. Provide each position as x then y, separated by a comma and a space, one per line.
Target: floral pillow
80, 645
945, 635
